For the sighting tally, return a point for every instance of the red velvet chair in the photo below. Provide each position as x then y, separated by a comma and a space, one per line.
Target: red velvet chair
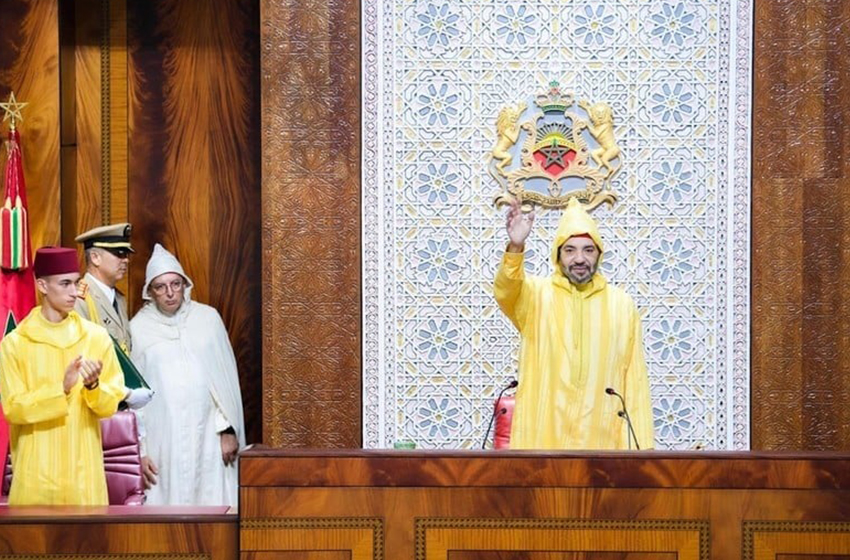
7, 478
121, 461
502, 432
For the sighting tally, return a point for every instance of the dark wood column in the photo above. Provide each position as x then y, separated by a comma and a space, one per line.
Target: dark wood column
801, 226
311, 222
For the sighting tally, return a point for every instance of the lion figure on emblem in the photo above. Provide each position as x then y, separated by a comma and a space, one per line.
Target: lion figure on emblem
601, 127
507, 128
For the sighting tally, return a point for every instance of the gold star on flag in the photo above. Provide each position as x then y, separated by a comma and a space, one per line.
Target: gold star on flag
13, 110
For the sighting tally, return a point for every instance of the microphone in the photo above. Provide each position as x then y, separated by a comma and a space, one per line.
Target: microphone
624, 414
497, 411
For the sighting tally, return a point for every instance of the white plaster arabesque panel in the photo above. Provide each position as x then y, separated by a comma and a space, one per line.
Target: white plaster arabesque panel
436, 349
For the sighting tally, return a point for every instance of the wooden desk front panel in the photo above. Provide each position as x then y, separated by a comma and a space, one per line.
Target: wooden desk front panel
376, 506
105, 540
418, 522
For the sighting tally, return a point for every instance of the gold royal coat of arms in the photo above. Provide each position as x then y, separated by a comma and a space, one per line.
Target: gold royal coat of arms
567, 150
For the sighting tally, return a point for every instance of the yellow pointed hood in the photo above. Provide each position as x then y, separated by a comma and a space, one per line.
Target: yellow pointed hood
575, 221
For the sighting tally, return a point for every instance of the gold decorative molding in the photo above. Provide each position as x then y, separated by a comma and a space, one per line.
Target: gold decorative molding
764, 540
435, 537
105, 120
114, 126
363, 538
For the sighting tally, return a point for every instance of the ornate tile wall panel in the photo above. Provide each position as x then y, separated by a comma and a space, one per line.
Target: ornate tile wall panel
435, 75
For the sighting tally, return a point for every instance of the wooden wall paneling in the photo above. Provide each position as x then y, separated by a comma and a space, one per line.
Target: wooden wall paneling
148, 138
826, 223
777, 252
29, 66
235, 263
85, 140
801, 226
194, 163
311, 223
94, 120
67, 123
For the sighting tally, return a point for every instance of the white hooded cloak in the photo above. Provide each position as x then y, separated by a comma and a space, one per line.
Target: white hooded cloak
188, 361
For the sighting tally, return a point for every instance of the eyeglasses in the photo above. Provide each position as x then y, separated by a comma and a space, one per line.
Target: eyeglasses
159, 289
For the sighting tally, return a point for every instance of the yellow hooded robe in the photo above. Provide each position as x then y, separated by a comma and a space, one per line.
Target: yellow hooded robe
57, 453
576, 341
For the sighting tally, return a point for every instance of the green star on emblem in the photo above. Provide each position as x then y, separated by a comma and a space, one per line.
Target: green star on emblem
554, 154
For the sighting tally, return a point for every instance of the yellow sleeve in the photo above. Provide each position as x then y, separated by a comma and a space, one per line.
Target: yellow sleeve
103, 400
22, 404
510, 289
637, 388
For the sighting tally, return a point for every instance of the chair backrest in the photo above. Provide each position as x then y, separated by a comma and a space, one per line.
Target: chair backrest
7, 474
122, 460
502, 434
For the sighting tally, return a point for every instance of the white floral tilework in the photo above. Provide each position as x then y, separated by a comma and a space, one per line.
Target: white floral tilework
437, 350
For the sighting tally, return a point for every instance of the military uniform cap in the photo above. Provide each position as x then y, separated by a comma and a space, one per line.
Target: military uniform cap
114, 237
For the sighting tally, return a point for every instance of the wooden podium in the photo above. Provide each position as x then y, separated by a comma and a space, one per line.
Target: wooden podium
421, 505
117, 533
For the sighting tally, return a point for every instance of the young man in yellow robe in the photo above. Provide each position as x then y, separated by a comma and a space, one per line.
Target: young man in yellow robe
58, 377
580, 337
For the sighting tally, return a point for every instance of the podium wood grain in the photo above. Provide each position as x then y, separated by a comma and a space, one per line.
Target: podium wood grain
117, 533
546, 506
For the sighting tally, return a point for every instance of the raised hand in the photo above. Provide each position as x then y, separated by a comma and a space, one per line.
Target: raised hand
72, 373
518, 226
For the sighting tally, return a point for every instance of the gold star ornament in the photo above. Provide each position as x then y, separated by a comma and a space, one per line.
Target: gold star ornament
13, 110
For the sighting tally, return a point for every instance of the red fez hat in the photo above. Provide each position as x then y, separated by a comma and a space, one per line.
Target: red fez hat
55, 260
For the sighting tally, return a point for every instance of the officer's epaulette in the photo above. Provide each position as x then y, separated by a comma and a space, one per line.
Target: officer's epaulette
82, 289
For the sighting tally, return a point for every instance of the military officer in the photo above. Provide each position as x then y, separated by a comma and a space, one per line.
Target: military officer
107, 250
107, 256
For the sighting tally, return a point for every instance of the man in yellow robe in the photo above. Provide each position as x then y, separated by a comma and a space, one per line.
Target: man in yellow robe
58, 377
580, 336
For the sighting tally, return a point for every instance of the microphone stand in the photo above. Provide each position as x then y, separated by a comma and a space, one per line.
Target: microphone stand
496, 411
624, 414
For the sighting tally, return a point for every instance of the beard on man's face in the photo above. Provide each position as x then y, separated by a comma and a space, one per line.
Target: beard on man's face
579, 273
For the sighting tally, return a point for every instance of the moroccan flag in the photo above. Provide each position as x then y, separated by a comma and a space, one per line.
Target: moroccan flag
17, 281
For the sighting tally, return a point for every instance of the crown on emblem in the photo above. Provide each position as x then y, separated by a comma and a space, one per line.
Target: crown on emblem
554, 100
567, 150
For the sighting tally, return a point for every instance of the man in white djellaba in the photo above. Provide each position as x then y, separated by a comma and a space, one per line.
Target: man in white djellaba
195, 425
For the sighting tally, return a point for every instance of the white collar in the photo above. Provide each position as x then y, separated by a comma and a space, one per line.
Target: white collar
109, 292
